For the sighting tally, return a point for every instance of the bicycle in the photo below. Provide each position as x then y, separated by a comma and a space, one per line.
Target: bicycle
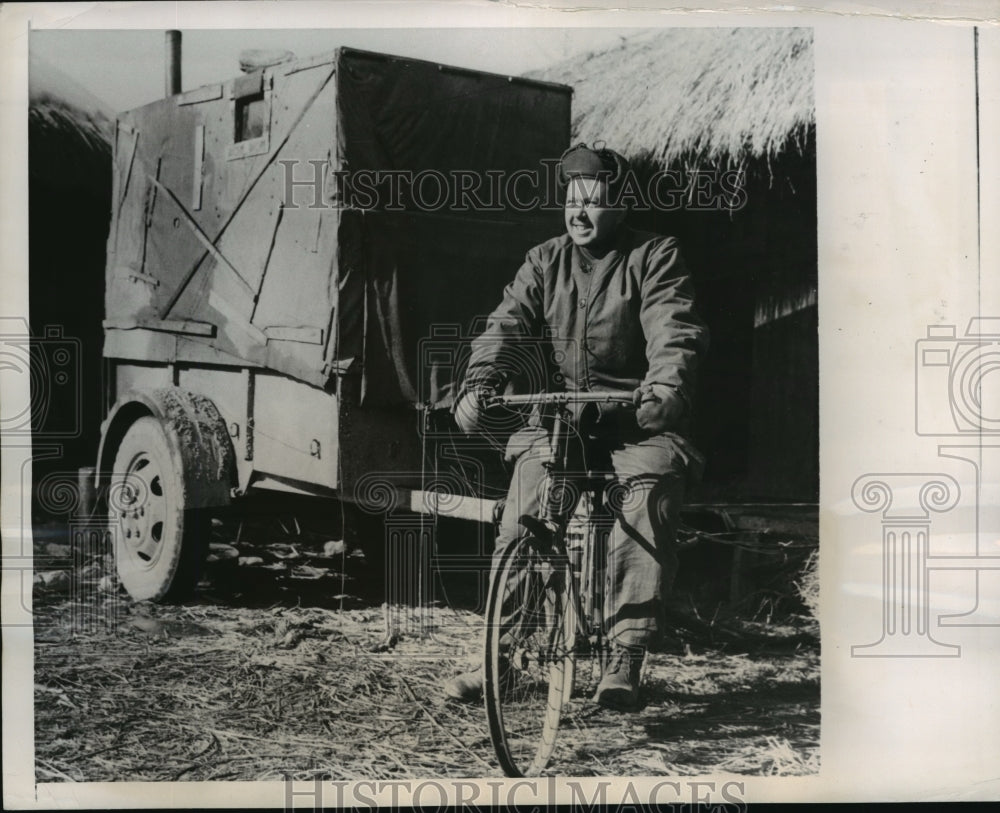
544, 610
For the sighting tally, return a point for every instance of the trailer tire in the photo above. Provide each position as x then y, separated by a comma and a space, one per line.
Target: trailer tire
160, 541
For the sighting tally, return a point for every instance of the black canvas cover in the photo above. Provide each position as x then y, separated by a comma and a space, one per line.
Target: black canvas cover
430, 273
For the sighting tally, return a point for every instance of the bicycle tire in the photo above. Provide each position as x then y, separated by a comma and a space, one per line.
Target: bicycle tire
530, 638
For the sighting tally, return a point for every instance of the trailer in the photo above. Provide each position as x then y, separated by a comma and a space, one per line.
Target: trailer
282, 313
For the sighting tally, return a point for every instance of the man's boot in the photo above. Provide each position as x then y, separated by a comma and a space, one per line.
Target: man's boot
619, 686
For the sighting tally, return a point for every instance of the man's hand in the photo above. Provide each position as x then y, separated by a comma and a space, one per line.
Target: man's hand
469, 412
658, 408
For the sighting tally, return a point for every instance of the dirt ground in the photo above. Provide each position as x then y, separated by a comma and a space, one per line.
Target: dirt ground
283, 666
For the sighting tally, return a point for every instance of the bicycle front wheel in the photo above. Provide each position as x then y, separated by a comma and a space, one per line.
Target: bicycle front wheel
530, 636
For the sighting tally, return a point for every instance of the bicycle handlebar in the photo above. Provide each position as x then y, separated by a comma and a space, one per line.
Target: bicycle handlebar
608, 397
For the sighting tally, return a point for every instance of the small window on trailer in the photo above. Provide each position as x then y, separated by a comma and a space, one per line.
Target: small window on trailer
249, 118
251, 110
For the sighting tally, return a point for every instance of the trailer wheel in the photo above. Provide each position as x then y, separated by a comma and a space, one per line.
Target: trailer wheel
159, 541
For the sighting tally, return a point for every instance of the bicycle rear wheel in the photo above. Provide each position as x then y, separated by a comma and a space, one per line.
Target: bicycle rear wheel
530, 636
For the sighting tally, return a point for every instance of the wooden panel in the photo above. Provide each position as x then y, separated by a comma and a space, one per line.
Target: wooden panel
195, 351
306, 335
208, 93
139, 344
295, 430
141, 377
299, 285
246, 241
163, 325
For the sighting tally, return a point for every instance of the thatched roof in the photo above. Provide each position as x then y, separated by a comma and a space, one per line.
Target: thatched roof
69, 130
55, 100
695, 94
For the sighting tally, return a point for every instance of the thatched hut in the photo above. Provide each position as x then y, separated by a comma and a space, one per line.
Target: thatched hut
69, 199
698, 103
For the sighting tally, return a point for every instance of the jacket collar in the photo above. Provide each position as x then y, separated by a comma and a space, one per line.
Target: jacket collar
621, 244
600, 269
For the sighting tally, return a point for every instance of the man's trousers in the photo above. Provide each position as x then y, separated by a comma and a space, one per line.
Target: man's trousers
644, 494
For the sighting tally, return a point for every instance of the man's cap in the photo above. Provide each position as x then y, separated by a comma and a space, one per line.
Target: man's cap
583, 162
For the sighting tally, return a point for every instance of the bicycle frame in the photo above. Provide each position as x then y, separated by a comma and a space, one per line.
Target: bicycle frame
554, 518
557, 460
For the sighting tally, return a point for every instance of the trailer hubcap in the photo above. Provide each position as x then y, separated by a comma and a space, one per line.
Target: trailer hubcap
142, 508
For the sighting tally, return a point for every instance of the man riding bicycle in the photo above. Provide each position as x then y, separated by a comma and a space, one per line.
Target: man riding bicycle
618, 306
